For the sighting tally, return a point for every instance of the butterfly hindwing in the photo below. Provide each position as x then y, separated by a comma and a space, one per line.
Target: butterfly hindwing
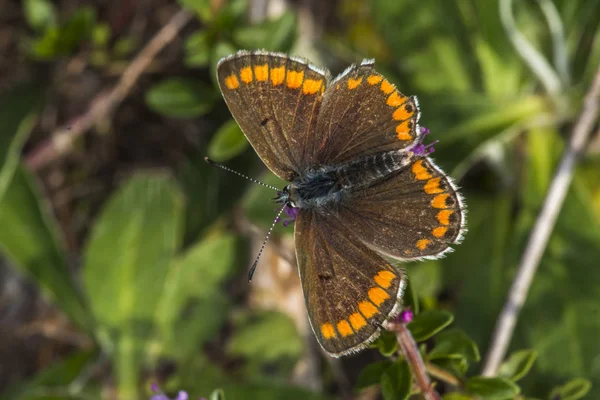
275, 99
349, 290
414, 213
363, 113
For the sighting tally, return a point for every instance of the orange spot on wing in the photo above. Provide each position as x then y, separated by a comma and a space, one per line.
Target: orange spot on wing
232, 82
433, 186
357, 321
444, 216
378, 295
439, 231
439, 201
344, 328
277, 75
374, 79
311, 86
353, 83
294, 79
420, 171
246, 75
384, 278
387, 87
328, 331
423, 243
367, 309
261, 72
401, 114
403, 130
395, 100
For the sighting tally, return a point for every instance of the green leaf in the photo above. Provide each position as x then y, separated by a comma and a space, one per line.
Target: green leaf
228, 142
454, 344
396, 381
386, 343
518, 365
572, 390
61, 40
101, 34
273, 35
181, 97
492, 388
53, 378
260, 338
202, 8
198, 49
193, 306
126, 262
16, 113
428, 323
457, 396
217, 395
371, 374
30, 237
39, 14
257, 203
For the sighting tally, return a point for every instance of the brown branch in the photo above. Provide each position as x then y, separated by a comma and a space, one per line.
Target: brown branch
62, 139
544, 225
413, 357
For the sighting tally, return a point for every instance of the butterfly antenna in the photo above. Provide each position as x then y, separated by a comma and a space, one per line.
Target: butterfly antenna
214, 164
251, 272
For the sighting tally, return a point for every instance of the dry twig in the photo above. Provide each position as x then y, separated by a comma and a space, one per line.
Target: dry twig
544, 225
62, 139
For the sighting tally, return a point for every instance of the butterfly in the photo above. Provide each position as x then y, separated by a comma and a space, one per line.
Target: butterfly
362, 187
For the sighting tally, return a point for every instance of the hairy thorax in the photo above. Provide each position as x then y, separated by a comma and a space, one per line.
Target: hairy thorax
330, 185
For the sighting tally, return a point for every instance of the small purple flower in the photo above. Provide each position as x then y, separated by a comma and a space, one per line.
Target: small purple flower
419, 148
161, 396
406, 316
291, 212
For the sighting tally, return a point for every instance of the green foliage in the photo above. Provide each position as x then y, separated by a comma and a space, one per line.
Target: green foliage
492, 388
60, 40
254, 338
16, 113
40, 14
30, 238
428, 323
396, 381
572, 390
454, 344
181, 98
228, 142
517, 365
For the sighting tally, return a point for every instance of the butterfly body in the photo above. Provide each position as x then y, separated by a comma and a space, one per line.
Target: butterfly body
325, 188
362, 186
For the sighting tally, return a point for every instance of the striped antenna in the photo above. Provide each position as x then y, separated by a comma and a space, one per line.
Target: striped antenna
214, 164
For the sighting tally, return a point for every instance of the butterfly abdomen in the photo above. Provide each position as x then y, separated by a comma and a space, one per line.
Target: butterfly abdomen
331, 185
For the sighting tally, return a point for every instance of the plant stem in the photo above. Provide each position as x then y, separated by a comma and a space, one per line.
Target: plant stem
413, 357
538, 240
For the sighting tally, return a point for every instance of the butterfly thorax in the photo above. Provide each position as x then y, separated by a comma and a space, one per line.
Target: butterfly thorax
331, 185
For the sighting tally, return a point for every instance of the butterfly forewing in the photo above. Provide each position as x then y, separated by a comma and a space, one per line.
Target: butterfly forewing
362, 113
275, 100
414, 213
349, 290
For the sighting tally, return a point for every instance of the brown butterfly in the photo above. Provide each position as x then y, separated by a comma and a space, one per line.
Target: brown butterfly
362, 187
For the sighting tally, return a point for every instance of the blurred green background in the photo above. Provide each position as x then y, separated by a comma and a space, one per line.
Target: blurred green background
123, 259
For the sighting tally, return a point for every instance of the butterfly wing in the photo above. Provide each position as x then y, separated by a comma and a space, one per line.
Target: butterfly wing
349, 290
362, 113
414, 213
275, 100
